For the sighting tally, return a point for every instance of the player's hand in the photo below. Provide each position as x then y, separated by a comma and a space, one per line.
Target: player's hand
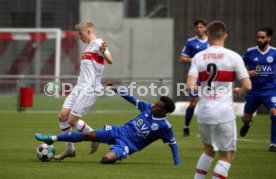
253, 73
103, 47
110, 84
237, 92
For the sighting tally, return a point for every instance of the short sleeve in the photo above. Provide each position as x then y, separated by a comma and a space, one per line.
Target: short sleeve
240, 69
186, 51
246, 58
193, 71
168, 136
142, 105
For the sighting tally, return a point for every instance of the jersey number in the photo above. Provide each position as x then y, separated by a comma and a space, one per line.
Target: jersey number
213, 71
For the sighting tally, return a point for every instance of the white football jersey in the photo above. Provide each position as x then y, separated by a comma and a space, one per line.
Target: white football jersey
216, 68
91, 67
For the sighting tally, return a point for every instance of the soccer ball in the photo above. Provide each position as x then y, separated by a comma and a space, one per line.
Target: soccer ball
45, 152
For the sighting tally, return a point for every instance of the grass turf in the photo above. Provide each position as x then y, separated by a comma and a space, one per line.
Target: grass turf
18, 160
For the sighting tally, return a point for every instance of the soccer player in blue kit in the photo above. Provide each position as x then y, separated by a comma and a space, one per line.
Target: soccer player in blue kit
260, 61
192, 47
150, 125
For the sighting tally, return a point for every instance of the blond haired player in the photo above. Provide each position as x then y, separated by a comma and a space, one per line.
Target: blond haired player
216, 68
82, 98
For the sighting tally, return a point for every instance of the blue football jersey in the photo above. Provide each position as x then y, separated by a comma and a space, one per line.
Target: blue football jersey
145, 128
264, 64
193, 46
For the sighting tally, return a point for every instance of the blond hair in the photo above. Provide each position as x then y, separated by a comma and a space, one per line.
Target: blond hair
84, 25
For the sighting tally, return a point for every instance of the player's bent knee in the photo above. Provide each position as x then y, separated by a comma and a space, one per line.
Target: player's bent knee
62, 117
72, 120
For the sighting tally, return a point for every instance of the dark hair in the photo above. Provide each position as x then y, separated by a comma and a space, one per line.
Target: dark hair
169, 103
216, 29
200, 21
267, 30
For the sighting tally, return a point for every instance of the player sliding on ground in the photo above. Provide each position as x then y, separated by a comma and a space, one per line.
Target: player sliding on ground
150, 125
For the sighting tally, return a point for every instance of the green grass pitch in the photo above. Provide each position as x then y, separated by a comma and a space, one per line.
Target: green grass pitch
18, 160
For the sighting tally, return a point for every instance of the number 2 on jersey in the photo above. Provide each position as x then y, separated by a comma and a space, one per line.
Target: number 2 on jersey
213, 71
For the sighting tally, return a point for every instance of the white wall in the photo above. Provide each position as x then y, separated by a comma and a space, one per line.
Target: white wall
139, 47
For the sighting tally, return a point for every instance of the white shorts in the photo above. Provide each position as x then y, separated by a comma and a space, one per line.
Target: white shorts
79, 102
223, 137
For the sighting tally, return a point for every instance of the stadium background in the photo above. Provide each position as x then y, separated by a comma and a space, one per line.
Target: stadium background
145, 38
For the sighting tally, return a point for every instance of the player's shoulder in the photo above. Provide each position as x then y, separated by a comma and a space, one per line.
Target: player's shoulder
251, 49
272, 48
96, 41
166, 124
192, 39
232, 53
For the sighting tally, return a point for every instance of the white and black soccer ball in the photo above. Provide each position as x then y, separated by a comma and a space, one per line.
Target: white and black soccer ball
45, 152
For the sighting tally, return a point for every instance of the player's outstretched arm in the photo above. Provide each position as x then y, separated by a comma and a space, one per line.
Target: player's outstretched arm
123, 93
174, 150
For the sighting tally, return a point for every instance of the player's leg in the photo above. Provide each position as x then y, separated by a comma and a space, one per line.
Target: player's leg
67, 137
223, 165
84, 103
272, 147
205, 160
251, 105
118, 151
189, 115
63, 122
224, 139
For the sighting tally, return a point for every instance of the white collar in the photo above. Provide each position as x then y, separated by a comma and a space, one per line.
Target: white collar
263, 53
158, 119
203, 41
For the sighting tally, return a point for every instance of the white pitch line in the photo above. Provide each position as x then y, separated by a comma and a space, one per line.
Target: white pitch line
252, 140
248, 140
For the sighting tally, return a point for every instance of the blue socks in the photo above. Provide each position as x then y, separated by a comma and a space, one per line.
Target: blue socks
273, 129
189, 115
70, 137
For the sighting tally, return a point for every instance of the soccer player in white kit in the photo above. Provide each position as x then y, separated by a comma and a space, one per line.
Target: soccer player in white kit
216, 68
83, 96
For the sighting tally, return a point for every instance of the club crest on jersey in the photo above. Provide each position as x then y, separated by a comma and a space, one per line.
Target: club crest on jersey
273, 99
269, 59
154, 127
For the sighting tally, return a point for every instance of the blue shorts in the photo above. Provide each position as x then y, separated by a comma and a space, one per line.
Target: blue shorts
252, 102
112, 135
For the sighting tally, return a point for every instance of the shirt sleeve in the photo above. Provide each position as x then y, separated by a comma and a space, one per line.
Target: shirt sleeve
193, 71
186, 51
246, 58
139, 104
168, 136
240, 69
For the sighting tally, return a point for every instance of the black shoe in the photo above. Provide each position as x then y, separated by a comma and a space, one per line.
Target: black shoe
244, 129
272, 148
186, 132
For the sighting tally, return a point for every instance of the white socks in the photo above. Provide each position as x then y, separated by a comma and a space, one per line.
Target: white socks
221, 170
203, 166
65, 127
81, 126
